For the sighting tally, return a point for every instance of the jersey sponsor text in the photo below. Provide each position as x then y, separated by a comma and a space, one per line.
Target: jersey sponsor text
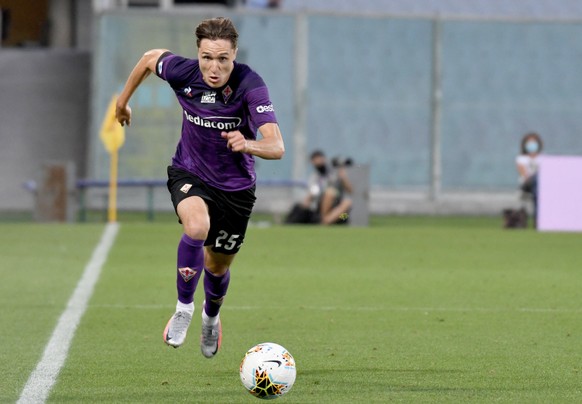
214, 122
265, 108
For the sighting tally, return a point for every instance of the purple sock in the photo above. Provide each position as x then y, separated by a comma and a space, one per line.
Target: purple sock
190, 264
215, 288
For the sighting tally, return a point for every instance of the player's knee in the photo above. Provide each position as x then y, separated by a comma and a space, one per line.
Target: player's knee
196, 229
217, 269
218, 264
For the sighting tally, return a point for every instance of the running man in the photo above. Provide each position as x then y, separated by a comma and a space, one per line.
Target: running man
212, 177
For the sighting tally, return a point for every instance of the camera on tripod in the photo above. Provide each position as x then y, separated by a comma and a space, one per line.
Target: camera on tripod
339, 161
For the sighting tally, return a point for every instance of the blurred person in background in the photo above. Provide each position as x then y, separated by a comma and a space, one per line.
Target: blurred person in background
328, 200
527, 166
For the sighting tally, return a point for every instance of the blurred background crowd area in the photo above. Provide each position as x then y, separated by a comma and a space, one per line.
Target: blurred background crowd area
433, 96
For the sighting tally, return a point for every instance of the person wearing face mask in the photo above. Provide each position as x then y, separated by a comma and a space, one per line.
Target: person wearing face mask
527, 166
327, 201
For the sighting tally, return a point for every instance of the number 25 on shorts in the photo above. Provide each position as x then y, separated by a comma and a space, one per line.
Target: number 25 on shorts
226, 241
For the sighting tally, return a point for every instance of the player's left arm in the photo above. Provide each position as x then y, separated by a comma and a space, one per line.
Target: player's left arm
269, 147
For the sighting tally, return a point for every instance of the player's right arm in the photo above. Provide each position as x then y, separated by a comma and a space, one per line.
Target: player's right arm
143, 68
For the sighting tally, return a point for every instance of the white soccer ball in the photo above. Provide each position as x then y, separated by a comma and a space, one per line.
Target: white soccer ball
268, 370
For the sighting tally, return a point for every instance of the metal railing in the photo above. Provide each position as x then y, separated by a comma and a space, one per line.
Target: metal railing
150, 184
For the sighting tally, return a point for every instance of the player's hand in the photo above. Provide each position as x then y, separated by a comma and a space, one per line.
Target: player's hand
123, 114
235, 141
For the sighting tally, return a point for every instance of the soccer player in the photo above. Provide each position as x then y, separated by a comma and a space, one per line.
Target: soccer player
212, 177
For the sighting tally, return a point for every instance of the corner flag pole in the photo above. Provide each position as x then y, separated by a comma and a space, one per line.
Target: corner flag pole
113, 136
112, 204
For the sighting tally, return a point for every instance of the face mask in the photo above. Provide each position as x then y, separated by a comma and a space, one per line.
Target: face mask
322, 169
531, 146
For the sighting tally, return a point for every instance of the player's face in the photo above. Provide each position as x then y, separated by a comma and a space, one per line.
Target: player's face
216, 58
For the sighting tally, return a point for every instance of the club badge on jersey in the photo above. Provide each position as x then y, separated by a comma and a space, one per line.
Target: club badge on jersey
226, 93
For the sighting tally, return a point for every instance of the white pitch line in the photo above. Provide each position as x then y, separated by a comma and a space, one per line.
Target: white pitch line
44, 376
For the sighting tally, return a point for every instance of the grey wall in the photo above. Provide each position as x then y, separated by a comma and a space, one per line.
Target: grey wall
499, 79
83, 25
44, 98
555, 9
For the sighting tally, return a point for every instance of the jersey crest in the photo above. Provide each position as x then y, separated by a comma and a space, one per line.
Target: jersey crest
226, 93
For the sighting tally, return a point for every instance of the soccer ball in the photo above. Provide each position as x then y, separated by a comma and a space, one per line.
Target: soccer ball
267, 370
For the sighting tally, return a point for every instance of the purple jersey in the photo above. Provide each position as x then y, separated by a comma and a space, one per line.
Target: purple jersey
241, 104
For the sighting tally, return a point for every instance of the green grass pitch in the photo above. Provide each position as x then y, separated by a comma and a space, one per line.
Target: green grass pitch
409, 310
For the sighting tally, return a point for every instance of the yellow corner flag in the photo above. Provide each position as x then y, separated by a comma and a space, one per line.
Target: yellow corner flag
112, 135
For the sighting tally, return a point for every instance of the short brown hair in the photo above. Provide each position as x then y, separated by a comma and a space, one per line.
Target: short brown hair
217, 28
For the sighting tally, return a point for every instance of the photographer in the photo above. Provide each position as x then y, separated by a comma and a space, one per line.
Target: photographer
328, 200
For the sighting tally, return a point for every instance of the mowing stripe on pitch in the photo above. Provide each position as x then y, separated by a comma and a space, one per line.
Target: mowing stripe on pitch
231, 307
45, 374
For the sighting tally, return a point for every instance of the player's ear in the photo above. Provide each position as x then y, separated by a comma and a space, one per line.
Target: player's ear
235, 52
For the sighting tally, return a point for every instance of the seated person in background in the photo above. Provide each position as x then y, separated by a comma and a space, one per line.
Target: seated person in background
527, 165
327, 201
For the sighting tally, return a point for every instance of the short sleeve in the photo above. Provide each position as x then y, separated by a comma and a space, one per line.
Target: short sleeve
174, 69
260, 106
